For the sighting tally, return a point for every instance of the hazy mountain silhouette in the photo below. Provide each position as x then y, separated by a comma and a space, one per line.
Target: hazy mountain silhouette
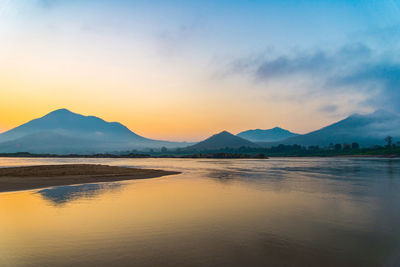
63, 121
63, 131
269, 135
366, 130
222, 140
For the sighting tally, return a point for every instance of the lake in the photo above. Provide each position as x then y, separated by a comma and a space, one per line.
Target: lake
273, 212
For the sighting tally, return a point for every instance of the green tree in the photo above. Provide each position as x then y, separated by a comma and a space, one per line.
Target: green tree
355, 145
338, 147
388, 140
346, 146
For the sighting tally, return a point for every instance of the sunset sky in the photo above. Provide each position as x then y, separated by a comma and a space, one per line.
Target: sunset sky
183, 70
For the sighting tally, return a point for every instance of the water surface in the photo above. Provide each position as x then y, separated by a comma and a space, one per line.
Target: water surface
288, 211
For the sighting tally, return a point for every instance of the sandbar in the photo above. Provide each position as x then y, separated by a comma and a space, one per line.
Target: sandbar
33, 177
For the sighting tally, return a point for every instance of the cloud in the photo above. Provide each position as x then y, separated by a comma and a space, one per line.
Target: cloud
328, 108
382, 77
284, 66
319, 62
352, 69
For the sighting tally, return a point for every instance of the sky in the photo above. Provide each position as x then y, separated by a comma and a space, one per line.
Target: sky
183, 70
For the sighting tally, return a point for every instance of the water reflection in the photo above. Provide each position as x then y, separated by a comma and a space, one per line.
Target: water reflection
276, 212
62, 194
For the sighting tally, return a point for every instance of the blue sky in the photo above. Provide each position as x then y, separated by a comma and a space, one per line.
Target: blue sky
205, 65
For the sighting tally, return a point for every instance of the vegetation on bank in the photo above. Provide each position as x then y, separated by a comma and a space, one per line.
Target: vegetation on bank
333, 150
288, 151
257, 153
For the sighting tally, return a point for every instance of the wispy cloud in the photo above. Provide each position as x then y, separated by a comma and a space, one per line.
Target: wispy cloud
328, 108
319, 62
354, 68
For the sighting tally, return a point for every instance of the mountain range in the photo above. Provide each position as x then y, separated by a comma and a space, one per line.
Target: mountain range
65, 132
270, 135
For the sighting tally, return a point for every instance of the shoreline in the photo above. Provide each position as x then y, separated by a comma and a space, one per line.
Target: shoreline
42, 176
208, 157
389, 156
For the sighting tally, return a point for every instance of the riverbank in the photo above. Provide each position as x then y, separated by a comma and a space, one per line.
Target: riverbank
32, 177
215, 155
285, 151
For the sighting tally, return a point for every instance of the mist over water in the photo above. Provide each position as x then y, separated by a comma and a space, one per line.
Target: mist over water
287, 211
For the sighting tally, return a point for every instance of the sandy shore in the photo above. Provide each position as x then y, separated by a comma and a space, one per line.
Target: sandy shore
23, 178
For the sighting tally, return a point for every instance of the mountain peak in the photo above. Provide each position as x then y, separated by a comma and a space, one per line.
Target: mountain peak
61, 111
224, 132
266, 135
63, 122
365, 129
222, 140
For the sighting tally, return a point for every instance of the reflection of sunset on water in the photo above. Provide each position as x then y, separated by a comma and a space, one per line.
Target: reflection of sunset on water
204, 213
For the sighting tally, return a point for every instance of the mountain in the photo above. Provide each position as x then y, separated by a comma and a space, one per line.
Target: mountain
63, 131
270, 135
367, 130
221, 140
65, 122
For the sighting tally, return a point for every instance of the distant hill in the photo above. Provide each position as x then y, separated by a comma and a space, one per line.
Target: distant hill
269, 135
65, 122
221, 140
63, 131
367, 130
